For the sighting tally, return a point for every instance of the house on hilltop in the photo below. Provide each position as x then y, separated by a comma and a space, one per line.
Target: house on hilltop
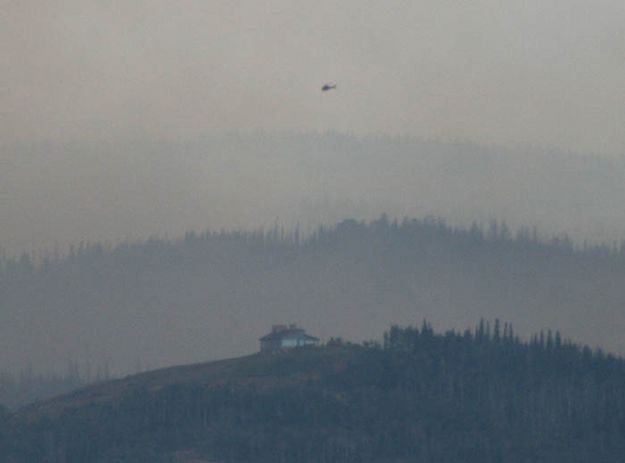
286, 337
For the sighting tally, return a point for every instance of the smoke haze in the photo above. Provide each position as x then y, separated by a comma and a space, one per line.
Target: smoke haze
533, 72
124, 120
56, 195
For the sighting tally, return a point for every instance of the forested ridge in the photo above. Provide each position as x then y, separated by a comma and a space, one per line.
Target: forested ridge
481, 395
212, 295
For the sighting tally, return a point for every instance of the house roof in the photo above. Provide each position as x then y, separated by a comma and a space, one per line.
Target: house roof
291, 333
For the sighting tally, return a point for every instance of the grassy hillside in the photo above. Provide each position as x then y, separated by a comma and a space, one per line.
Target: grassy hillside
480, 396
256, 371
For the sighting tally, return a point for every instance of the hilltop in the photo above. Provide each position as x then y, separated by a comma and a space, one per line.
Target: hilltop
472, 397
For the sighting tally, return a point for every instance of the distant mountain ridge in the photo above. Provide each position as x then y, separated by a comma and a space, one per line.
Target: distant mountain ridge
128, 190
213, 295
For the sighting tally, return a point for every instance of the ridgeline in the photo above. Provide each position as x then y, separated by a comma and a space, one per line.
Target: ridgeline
478, 396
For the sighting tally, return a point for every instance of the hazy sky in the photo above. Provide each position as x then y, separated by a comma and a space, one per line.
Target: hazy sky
541, 72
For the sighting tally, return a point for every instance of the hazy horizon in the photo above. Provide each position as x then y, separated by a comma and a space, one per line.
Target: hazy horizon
53, 196
100, 103
536, 73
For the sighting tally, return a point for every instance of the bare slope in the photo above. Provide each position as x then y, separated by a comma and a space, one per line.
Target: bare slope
258, 371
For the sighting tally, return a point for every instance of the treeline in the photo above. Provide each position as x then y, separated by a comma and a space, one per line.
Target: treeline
431, 228
480, 396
